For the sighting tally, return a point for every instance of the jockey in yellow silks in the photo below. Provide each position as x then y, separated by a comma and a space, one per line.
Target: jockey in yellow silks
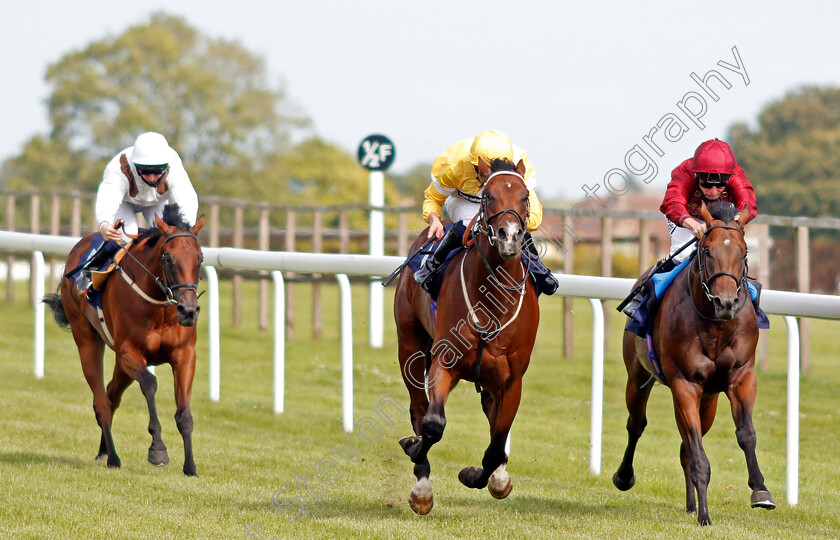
457, 186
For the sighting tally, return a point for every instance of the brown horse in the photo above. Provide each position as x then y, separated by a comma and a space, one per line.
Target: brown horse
484, 332
149, 314
704, 335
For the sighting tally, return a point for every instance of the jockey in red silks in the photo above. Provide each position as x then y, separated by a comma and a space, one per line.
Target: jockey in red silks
711, 175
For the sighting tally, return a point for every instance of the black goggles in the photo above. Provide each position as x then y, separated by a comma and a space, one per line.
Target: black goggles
712, 180
144, 170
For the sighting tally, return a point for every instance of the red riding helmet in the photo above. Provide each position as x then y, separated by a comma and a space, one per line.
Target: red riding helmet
714, 156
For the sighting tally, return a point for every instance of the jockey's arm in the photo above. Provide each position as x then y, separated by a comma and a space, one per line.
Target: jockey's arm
535, 211
433, 202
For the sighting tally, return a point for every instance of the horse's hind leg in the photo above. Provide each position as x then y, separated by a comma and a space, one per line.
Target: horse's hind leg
708, 408
741, 395
636, 394
91, 351
501, 412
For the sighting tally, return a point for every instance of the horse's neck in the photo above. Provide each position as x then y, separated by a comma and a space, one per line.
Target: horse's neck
147, 257
505, 273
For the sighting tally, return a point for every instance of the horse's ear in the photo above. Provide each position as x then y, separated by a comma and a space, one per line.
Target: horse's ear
163, 226
520, 168
199, 223
484, 170
705, 215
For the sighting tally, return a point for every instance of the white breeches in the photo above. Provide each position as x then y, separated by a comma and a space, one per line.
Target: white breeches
679, 236
128, 212
460, 209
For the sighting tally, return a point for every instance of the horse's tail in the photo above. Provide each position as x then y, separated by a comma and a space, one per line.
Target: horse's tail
57, 308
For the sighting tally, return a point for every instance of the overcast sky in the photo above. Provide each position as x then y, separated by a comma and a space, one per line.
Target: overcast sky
577, 85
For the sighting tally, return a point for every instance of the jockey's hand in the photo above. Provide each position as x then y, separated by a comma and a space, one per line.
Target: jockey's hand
697, 227
435, 227
109, 232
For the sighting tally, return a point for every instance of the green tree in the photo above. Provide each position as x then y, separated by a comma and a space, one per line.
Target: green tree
792, 157
209, 97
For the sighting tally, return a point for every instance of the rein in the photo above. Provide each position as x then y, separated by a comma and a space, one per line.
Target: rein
706, 282
164, 285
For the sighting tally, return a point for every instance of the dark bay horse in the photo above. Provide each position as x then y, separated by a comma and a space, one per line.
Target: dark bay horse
149, 311
704, 335
486, 302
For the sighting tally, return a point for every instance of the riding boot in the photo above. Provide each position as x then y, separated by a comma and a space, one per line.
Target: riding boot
757, 298
663, 266
548, 284
82, 277
425, 275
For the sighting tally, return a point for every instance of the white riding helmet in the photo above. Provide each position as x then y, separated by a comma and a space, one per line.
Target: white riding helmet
489, 145
151, 149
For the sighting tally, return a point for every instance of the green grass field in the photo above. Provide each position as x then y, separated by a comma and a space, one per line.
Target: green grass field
53, 488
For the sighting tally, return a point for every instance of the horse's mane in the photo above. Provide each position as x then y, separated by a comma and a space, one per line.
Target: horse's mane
501, 164
171, 216
723, 210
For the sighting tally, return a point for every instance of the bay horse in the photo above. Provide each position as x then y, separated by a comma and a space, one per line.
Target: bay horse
149, 313
484, 332
704, 336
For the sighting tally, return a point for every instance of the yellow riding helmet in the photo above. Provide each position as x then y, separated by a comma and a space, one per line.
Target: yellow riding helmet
489, 145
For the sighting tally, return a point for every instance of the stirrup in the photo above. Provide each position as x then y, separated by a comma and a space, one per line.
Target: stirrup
632, 306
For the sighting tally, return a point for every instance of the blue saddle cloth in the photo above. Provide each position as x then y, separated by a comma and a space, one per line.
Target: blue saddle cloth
642, 321
538, 271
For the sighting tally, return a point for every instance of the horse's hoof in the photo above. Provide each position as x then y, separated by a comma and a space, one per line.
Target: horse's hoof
114, 462
762, 499
500, 484
621, 484
421, 499
158, 457
407, 443
471, 477
189, 469
704, 520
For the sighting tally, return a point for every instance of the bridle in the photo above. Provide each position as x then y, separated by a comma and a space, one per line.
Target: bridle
173, 292
706, 282
484, 228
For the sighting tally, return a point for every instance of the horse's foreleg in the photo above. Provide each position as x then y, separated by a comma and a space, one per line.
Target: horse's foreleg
148, 385
431, 431
708, 408
183, 370
501, 412
636, 394
687, 398
741, 395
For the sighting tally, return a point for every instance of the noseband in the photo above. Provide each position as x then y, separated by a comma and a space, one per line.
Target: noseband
706, 282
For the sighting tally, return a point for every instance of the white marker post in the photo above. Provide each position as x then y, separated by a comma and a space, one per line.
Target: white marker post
376, 153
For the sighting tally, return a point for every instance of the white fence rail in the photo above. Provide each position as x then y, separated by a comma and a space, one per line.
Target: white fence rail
788, 304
